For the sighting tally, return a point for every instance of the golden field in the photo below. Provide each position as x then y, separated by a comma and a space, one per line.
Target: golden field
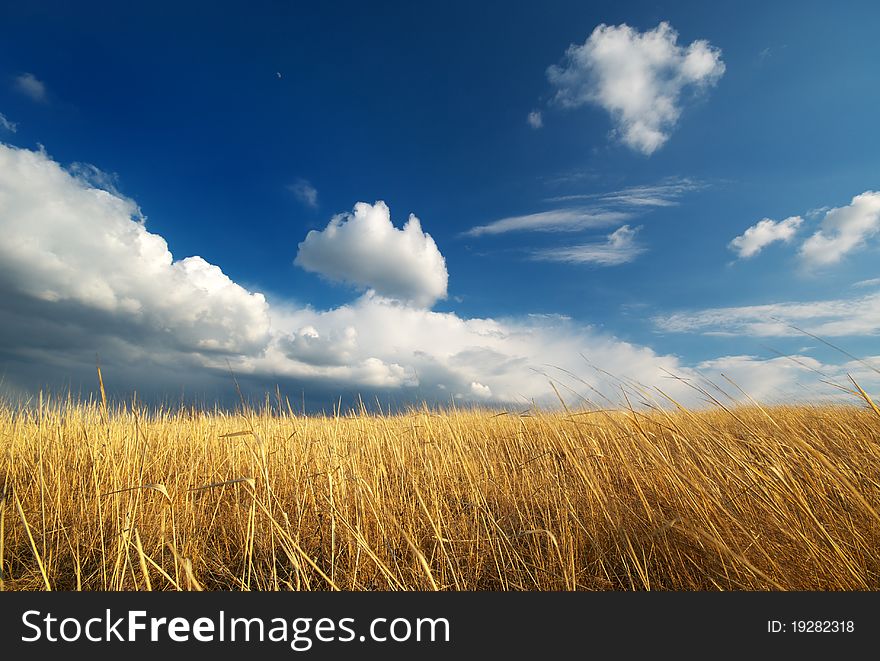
746, 498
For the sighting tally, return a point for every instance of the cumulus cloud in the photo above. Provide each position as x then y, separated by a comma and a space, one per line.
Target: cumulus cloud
80, 274
424, 355
65, 241
307, 345
6, 125
637, 77
480, 391
763, 233
535, 119
435, 355
33, 88
619, 247
843, 230
94, 177
303, 190
363, 248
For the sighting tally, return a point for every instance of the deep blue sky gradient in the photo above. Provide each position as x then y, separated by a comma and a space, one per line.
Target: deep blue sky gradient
424, 105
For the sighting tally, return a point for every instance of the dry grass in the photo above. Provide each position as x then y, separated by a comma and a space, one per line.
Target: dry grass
742, 499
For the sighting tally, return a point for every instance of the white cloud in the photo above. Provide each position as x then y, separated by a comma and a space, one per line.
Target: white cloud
843, 230
557, 220
830, 318
307, 345
872, 282
663, 194
535, 119
30, 86
763, 233
608, 209
793, 378
66, 241
94, 177
620, 247
6, 125
480, 391
426, 355
778, 379
817, 213
431, 354
363, 248
80, 274
305, 192
637, 77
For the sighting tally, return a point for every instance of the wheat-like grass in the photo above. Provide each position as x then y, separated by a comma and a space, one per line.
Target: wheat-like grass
113, 497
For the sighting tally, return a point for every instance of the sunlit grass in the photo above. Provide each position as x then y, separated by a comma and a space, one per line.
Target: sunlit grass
100, 498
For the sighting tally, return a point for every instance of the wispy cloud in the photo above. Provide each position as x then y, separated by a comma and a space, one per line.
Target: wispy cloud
556, 220
619, 247
535, 119
304, 192
571, 177
873, 282
6, 125
95, 177
595, 209
829, 318
663, 194
762, 234
637, 77
29, 85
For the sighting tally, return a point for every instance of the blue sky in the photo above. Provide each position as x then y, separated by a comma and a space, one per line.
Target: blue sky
237, 129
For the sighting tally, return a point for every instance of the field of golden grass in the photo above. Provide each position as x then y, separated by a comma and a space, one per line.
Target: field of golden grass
99, 498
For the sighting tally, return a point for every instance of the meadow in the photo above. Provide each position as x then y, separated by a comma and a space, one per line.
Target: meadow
119, 497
